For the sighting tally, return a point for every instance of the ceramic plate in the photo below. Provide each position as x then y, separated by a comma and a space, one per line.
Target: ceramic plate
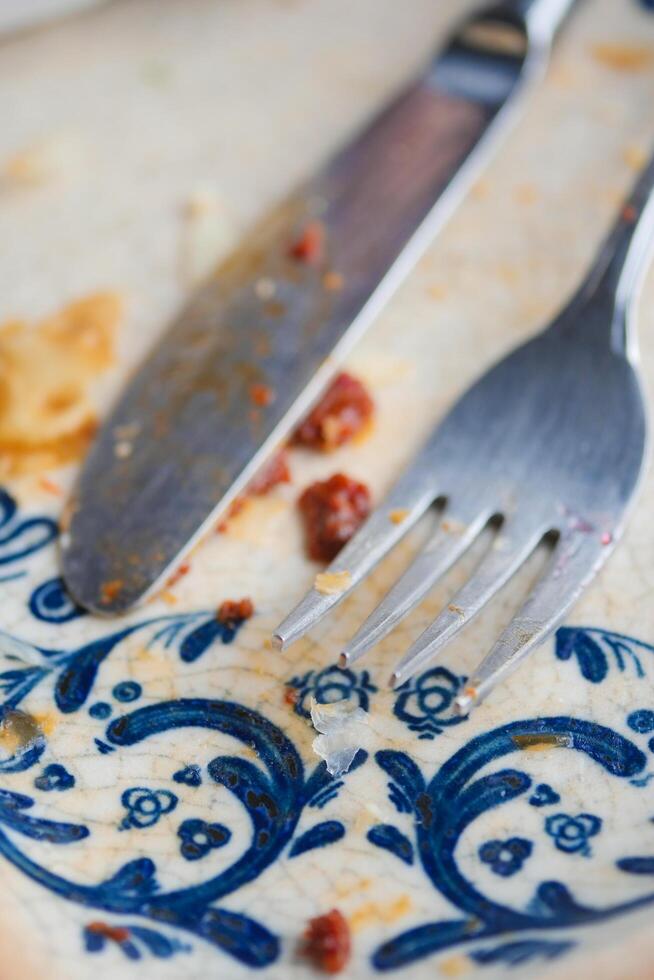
162, 811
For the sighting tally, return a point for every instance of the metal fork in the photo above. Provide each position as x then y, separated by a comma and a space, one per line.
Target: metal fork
550, 441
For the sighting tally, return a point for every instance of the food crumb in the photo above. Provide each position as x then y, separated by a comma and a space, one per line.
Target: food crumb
526, 194
290, 696
332, 583
623, 57
233, 612
123, 449
333, 281
332, 511
59, 155
341, 413
456, 609
635, 157
118, 934
309, 247
261, 395
399, 515
49, 486
110, 590
326, 942
274, 471
179, 573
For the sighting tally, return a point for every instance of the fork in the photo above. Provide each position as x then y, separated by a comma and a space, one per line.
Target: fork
549, 443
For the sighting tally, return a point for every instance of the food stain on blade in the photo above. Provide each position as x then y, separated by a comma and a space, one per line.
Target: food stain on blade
343, 728
46, 372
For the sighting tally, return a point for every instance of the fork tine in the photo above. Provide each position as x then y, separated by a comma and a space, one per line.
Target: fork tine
452, 538
572, 565
512, 546
411, 496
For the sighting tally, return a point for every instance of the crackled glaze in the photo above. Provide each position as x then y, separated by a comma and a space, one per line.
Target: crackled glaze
162, 813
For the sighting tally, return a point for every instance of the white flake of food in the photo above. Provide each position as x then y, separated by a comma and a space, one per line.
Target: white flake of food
343, 728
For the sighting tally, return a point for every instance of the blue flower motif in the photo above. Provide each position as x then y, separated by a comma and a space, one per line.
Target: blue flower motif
56, 777
190, 775
505, 856
127, 691
641, 721
199, 837
145, 806
330, 685
570, 834
544, 795
425, 702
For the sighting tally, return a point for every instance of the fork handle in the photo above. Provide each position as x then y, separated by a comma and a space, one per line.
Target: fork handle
602, 306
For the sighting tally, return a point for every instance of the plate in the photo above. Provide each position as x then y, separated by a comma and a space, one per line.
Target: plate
162, 811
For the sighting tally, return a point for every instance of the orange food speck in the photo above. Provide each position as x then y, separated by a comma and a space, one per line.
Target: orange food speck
333, 282
117, 933
233, 612
309, 247
275, 470
623, 57
50, 486
261, 395
179, 573
327, 943
111, 589
290, 696
629, 213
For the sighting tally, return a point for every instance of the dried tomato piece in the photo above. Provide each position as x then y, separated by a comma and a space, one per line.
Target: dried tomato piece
343, 410
233, 612
332, 511
327, 943
309, 246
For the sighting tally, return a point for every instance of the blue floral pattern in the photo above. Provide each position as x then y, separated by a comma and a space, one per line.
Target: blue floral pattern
330, 685
505, 856
145, 806
571, 834
426, 702
199, 837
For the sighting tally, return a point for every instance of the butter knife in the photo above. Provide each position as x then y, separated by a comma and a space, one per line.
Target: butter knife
257, 343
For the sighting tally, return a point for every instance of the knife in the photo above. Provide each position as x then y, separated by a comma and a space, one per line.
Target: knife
256, 344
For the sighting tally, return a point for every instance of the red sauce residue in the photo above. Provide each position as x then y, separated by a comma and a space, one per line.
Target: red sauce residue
309, 247
261, 395
290, 696
629, 213
275, 470
332, 510
326, 942
344, 409
117, 933
233, 612
179, 573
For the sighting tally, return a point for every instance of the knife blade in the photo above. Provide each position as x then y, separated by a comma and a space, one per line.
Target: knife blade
239, 366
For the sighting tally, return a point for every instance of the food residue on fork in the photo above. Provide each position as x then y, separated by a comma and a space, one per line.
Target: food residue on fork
110, 590
233, 612
399, 515
332, 510
326, 942
343, 728
332, 583
342, 413
46, 372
